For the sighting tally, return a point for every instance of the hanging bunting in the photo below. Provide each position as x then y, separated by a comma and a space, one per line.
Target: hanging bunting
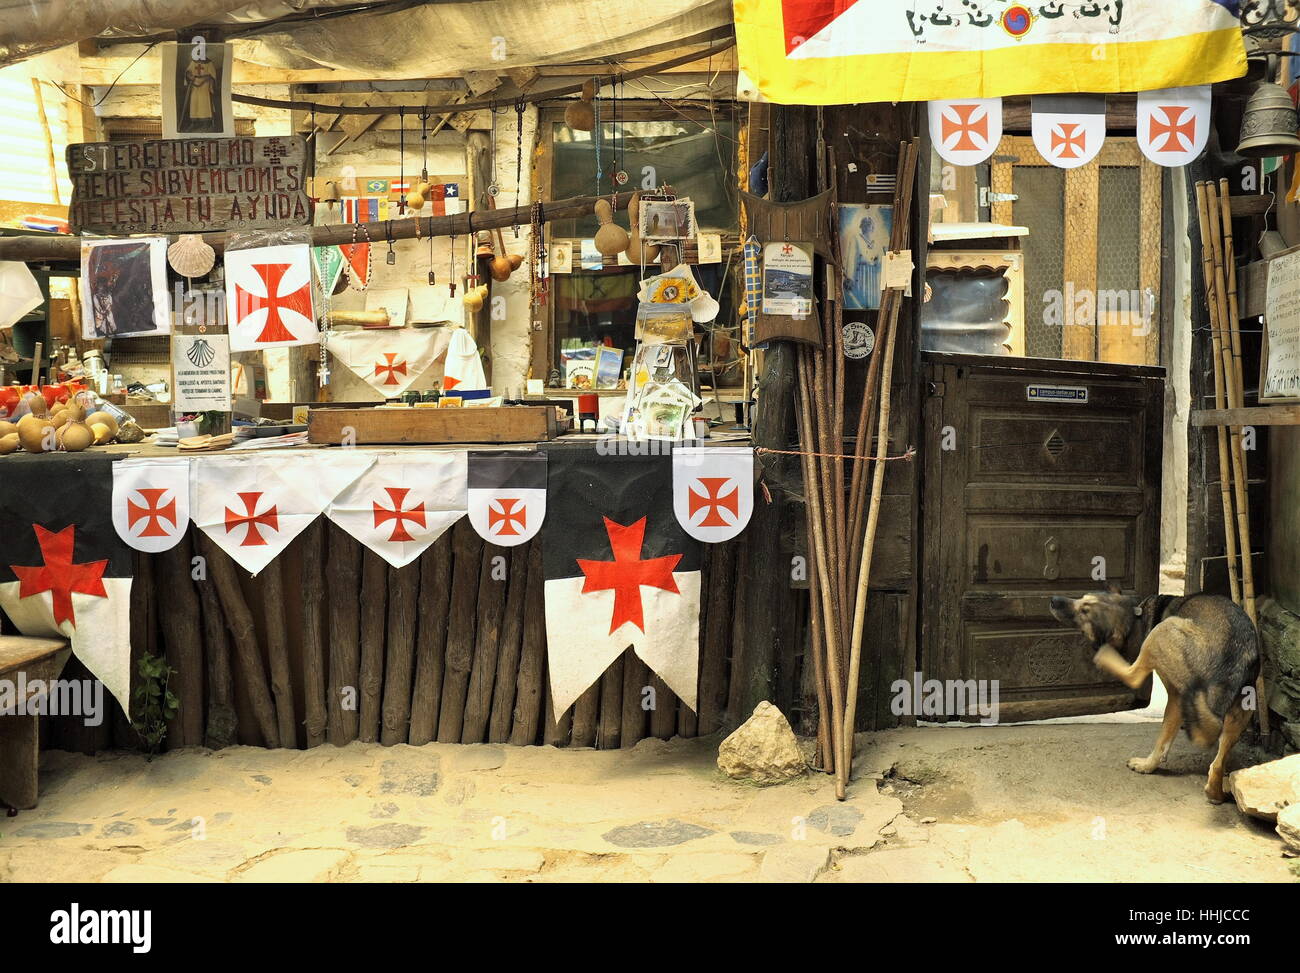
1173, 124
64, 571
403, 503
966, 132
836, 52
253, 506
151, 502
329, 265
713, 490
1068, 130
356, 257
619, 572
389, 360
268, 298
507, 495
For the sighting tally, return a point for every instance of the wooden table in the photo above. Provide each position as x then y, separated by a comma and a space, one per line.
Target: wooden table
36, 658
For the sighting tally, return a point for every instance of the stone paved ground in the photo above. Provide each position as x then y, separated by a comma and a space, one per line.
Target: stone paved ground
927, 804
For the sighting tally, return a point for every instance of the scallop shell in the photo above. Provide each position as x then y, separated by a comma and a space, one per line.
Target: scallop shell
190, 256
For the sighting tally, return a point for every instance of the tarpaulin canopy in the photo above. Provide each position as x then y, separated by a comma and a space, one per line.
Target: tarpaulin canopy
826, 52
395, 39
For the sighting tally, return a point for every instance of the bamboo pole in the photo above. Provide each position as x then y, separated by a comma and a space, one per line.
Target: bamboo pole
1242, 486
1220, 398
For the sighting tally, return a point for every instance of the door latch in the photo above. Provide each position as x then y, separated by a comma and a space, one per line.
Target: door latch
1051, 559
988, 197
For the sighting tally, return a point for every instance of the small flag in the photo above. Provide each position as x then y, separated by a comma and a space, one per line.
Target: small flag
713, 490
1173, 124
507, 495
268, 298
151, 502
966, 132
1068, 130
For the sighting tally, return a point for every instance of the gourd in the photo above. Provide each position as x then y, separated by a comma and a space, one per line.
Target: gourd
35, 432
611, 239
9, 442
75, 435
580, 115
105, 420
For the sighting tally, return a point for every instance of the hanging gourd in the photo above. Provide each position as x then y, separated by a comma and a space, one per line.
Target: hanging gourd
580, 115
611, 239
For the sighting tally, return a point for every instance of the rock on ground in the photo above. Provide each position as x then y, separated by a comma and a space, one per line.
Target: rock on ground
763, 749
1263, 790
1288, 826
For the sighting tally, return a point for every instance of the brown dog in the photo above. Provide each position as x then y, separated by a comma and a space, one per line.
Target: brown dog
1203, 647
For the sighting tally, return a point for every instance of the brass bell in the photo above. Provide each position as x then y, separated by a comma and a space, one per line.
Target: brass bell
1269, 123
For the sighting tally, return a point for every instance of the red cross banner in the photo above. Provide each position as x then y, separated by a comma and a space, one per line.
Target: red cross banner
64, 572
403, 502
837, 52
966, 132
713, 490
268, 298
1173, 124
1068, 130
151, 502
507, 495
389, 360
253, 506
620, 572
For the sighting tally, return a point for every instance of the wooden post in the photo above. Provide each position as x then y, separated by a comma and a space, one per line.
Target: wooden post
313, 631
403, 590
493, 586
222, 723
431, 639
277, 651
530, 686
374, 586
182, 628
467, 549
636, 676
512, 634
610, 728
343, 573
221, 571
712, 691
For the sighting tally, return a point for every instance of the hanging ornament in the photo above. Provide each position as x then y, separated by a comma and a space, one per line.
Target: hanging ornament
190, 256
579, 115
492, 153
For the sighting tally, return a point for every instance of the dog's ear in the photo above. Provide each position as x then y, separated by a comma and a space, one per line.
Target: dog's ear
1114, 588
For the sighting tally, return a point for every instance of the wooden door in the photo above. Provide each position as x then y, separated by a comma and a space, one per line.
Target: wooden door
1034, 470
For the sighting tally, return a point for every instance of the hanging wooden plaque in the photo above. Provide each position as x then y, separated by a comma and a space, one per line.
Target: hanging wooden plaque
188, 185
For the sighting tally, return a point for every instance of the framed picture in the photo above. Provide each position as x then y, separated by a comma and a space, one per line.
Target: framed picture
864, 238
787, 279
124, 288
196, 89
667, 219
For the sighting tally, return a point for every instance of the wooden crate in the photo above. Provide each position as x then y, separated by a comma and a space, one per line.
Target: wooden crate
507, 424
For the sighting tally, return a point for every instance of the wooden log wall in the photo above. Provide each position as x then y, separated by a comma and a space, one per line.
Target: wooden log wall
329, 644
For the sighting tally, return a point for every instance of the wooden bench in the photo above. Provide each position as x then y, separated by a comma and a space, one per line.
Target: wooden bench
37, 658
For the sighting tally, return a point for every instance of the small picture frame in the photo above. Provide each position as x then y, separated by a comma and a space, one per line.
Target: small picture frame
560, 260
196, 79
667, 219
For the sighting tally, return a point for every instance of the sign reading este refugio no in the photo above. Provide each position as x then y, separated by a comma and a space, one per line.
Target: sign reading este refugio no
188, 185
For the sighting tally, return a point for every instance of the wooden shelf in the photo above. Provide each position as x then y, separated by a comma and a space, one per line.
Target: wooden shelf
1264, 415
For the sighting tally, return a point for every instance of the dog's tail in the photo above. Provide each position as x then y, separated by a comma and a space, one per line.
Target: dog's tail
1200, 721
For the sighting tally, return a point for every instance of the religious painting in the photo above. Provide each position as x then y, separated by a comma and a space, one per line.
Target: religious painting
864, 239
196, 89
124, 288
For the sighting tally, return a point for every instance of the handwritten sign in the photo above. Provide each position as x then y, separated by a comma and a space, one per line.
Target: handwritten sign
1280, 378
188, 185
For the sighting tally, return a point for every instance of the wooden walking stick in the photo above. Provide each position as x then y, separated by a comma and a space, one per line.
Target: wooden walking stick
1239, 390
1220, 401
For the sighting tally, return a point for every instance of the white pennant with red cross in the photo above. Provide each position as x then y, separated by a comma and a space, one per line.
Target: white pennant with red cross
403, 502
268, 298
1068, 130
253, 506
1173, 124
151, 502
389, 360
966, 132
713, 490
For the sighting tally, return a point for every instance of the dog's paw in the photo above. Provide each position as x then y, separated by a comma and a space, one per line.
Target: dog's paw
1214, 794
1143, 765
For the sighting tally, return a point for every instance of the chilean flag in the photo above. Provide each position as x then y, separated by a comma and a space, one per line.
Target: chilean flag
64, 572
619, 570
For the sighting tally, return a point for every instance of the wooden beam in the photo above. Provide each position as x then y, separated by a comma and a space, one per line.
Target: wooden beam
1252, 205
1264, 415
60, 247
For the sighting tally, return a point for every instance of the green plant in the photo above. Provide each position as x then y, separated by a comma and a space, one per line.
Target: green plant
155, 704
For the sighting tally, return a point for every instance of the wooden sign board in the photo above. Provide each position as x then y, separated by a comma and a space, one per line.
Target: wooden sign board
188, 185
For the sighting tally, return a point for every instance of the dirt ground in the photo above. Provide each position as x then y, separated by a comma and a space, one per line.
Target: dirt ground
1017, 803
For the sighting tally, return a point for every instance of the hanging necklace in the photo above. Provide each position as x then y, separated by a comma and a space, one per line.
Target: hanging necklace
401, 169
492, 153
519, 160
